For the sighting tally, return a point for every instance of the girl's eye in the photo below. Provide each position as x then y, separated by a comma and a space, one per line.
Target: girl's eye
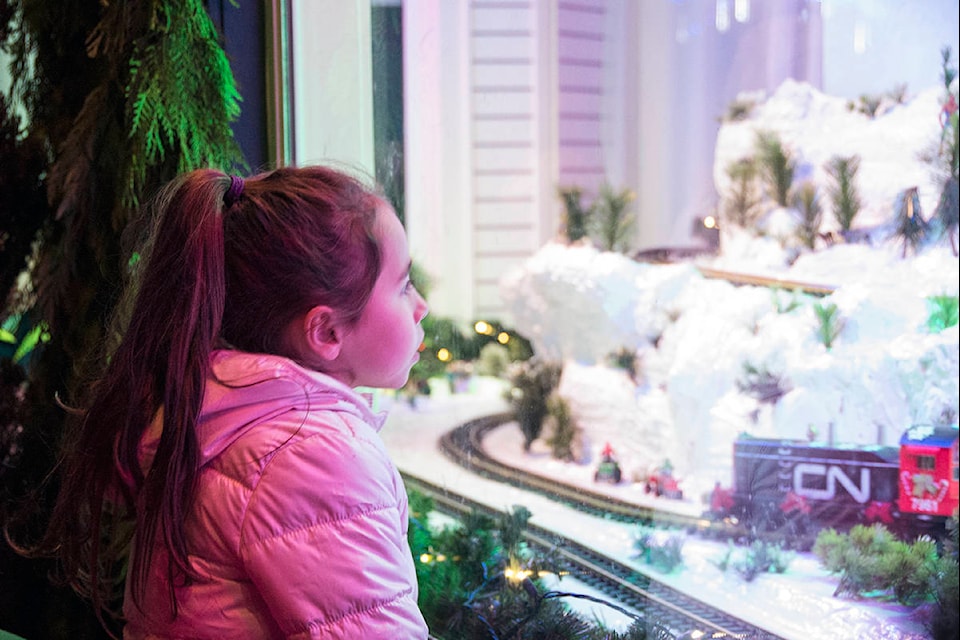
408, 286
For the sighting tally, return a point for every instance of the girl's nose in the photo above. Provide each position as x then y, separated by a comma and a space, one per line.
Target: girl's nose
422, 309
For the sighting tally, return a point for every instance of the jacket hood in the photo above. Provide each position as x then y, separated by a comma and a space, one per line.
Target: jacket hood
250, 388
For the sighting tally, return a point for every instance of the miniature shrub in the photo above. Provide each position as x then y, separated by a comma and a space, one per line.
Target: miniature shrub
626, 358
910, 227
533, 381
947, 213
775, 165
807, 202
494, 360
741, 204
564, 428
614, 225
739, 109
577, 219
760, 557
659, 549
787, 300
944, 312
871, 560
761, 384
829, 323
945, 621
843, 192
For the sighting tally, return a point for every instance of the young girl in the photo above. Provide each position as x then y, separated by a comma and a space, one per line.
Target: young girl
226, 427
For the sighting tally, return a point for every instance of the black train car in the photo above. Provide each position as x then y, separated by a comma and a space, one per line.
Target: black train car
798, 487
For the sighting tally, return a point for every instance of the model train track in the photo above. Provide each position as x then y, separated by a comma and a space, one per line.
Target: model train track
464, 445
737, 278
668, 613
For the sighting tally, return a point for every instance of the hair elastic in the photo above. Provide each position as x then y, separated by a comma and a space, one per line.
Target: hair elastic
234, 192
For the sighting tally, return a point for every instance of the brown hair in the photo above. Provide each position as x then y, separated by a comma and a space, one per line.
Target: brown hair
225, 261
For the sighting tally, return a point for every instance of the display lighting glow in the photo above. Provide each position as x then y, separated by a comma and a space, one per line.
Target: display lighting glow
444, 355
741, 10
723, 15
861, 37
517, 575
483, 328
503, 337
710, 222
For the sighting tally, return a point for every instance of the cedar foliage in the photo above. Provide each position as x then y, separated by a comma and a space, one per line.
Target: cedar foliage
121, 97
465, 591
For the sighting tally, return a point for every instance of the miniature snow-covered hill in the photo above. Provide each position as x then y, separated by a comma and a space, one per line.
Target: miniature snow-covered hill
715, 359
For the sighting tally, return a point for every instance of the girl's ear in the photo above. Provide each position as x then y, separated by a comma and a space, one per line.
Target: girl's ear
322, 333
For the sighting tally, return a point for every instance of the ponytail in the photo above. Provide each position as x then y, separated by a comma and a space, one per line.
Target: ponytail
162, 360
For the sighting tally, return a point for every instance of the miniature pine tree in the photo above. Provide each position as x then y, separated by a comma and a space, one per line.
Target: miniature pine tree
947, 213
576, 218
843, 190
776, 166
740, 205
911, 228
806, 200
614, 225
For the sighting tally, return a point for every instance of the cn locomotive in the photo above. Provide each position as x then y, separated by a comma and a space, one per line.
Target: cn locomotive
795, 487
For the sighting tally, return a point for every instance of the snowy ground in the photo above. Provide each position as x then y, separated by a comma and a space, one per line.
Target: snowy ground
796, 605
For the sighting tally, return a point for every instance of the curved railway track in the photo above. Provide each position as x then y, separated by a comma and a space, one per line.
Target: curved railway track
671, 613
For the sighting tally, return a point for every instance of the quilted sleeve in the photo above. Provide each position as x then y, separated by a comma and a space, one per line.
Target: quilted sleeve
324, 540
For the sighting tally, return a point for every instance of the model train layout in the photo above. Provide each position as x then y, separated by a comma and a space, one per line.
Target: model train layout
801, 486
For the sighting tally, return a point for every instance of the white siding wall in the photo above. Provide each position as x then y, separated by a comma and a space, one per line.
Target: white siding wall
580, 58
504, 143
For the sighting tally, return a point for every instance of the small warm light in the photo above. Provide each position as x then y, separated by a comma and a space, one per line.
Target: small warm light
425, 558
710, 222
503, 337
516, 575
444, 355
441, 557
483, 328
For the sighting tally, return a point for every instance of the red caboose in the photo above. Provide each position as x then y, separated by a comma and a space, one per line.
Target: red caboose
928, 471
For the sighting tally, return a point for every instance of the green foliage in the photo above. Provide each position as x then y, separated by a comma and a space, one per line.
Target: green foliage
945, 621
494, 360
871, 560
22, 196
626, 358
829, 323
577, 219
844, 197
759, 558
659, 549
806, 201
179, 55
911, 228
761, 384
564, 428
739, 109
776, 166
947, 213
944, 312
533, 381
741, 204
478, 581
614, 226
787, 300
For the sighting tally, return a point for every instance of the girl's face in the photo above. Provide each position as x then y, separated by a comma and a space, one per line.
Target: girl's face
381, 347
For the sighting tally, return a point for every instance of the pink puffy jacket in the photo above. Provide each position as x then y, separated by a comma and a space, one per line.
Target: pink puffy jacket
300, 522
